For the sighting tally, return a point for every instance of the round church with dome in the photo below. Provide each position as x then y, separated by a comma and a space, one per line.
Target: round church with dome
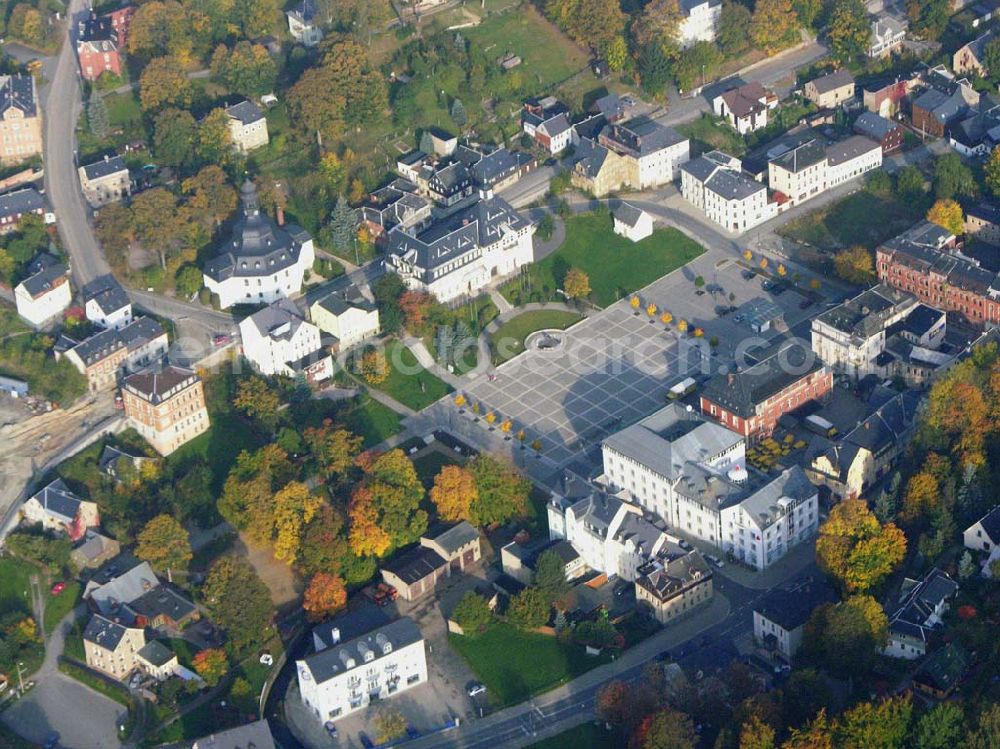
261, 262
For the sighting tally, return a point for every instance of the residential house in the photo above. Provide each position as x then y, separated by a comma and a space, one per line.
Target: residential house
20, 119
162, 607
261, 262
409, 165
457, 544
745, 107
673, 584
923, 261
135, 597
105, 181
887, 96
944, 103
397, 204
112, 648
121, 20
415, 572
93, 550
352, 673
347, 315
921, 607
715, 184
984, 534
166, 407
611, 535
277, 340
45, 293
699, 20
812, 167
831, 90
118, 463
631, 222
117, 584
978, 132
850, 465
102, 356
247, 126
546, 120
157, 661
443, 143
779, 618
597, 169
887, 35
851, 158
459, 255
884, 132
18, 203
106, 303
520, 560
255, 735
970, 58
98, 48
610, 107
496, 169
982, 222
982, 12
304, 23
942, 671
445, 181
58, 509
653, 153
751, 402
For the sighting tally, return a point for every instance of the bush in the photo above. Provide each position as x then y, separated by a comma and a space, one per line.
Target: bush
472, 614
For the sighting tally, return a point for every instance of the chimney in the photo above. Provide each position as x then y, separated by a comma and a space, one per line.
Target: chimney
280, 215
731, 378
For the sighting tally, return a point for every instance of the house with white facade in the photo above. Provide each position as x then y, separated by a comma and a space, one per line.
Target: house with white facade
745, 107
716, 185
546, 120
653, 153
459, 255
812, 167
347, 673
303, 23
346, 314
58, 509
700, 18
631, 222
111, 647
779, 618
105, 181
692, 474
278, 340
261, 262
106, 304
675, 583
46, 292
611, 535
984, 534
850, 158
887, 35
922, 604
247, 126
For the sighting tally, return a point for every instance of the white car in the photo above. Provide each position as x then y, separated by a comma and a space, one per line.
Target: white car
477, 689
714, 561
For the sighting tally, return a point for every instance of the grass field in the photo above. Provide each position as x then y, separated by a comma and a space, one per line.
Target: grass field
15, 594
709, 133
862, 218
515, 665
508, 340
367, 417
616, 266
56, 607
585, 736
408, 382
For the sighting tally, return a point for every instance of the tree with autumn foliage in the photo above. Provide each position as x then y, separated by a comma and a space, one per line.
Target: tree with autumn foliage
660, 24
948, 215
247, 500
385, 507
372, 366
591, 22
883, 723
855, 549
211, 665
855, 265
334, 448
325, 595
454, 493
237, 600
846, 637
164, 543
246, 69
756, 734
258, 400
415, 305
502, 491
773, 25
921, 497
163, 83
576, 284
665, 729
294, 507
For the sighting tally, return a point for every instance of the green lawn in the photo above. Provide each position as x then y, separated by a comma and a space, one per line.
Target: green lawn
515, 665
616, 266
862, 218
430, 464
408, 382
585, 736
372, 420
709, 133
508, 340
15, 593
56, 607
116, 692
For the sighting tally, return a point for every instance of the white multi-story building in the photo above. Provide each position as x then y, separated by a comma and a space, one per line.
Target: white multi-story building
347, 315
691, 473
459, 255
701, 18
887, 34
652, 152
106, 304
277, 340
715, 184
779, 619
851, 158
346, 676
810, 168
247, 126
611, 535
304, 23
261, 262
45, 293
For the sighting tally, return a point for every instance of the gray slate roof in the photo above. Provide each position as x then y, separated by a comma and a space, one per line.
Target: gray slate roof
279, 320
251, 736
338, 302
628, 214
104, 632
874, 125
19, 202
642, 136
124, 588
350, 654
162, 601
18, 91
105, 167
740, 392
45, 271
790, 609
454, 537
246, 112
107, 293
156, 653
991, 524
833, 81
733, 185
850, 148
415, 564
763, 506
59, 501
157, 384
801, 157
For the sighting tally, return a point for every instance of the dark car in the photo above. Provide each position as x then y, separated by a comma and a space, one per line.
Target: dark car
412, 733
806, 303
51, 741
778, 288
749, 275
331, 729
366, 742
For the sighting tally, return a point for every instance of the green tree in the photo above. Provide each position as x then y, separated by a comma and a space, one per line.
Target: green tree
529, 609
772, 25
215, 142
595, 23
733, 33
617, 54
163, 84
855, 549
991, 59
910, 182
188, 280
503, 493
952, 178
666, 729
808, 12
986, 734
654, 68
174, 133
845, 637
388, 502
928, 18
966, 567
472, 614
550, 576
855, 265
258, 400
334, 448
659, 24
97, 117
849, 30
238, 601
877, 725
343, 226
697, 65
941, 727
246, 69
458, 113
991, 172
390, 724
164, 543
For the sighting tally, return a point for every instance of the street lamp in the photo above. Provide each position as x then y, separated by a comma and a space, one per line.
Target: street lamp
20, 678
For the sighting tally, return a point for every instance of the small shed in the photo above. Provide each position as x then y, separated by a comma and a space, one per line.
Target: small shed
632, 223
761, 314
13, 387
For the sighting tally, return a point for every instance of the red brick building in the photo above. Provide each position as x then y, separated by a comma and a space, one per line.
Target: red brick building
926, 262
101, 42
751, 402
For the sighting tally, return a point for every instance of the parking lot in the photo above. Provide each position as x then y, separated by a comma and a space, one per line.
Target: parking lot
616, 366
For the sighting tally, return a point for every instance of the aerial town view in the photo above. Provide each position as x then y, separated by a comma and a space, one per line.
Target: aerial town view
487, 374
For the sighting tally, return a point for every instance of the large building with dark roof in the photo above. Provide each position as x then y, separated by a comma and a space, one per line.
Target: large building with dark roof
18, 203
348, 674
716, 184
415, 572
919, 614
458, 256
111, 647
20, 119
779, 618
261, 262
166, 406
105, 181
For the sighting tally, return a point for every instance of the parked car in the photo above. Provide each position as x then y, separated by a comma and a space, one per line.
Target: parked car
477, 688
684, 544
389, 591
778, 289
331, 729
749, 275
412, 733
738, 318
58, 588
714, 561
221, 339
366, 742
806, 303
767, 284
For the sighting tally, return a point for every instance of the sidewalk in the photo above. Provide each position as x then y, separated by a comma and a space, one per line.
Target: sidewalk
787, 567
